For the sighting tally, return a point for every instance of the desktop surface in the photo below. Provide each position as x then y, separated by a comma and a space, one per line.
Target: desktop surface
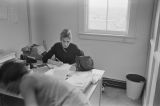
64, 72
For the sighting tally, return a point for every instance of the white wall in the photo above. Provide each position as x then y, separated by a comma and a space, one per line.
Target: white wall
13, 25
117, 58
36, 21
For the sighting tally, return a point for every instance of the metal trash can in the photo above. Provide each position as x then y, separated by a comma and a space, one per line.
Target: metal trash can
135, 84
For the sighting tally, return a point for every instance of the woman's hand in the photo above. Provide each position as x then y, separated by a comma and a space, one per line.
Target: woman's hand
57, 63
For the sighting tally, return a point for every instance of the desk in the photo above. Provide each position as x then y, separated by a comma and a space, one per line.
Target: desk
93, 92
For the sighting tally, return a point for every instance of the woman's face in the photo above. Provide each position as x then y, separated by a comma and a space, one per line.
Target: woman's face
65, 42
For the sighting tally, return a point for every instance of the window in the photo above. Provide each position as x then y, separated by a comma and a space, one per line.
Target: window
107, 15
104, 17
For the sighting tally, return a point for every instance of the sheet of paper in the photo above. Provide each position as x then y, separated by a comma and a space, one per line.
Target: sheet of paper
80, 79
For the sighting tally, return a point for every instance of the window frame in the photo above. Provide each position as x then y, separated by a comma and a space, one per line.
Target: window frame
107, 31
86, 34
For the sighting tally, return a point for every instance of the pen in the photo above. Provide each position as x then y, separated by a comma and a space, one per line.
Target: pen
59, 62
57, 59
47, 66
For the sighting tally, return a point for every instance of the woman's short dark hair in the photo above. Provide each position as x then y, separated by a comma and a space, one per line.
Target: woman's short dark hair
12, 71
66, 33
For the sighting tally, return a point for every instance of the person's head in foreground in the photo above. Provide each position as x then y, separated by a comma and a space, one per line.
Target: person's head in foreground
12, 71
39, 89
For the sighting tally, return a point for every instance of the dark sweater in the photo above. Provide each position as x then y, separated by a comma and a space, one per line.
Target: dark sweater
66, 55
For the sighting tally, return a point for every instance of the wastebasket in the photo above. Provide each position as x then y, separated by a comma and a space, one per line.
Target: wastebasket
135, 85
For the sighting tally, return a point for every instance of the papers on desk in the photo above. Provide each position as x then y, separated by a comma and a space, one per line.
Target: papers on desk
59, 72
83, 79
51, 66
78, 79
61, 67
40, 69
96, 75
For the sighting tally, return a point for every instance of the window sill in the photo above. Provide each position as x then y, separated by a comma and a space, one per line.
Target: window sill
104, 37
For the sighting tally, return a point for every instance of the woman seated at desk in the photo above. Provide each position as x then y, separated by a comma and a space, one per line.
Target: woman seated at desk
39, 89
64, 51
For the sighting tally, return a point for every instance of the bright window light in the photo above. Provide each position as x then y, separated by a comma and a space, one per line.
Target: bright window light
107, 16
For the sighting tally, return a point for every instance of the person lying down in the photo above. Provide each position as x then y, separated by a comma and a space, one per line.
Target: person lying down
39, 89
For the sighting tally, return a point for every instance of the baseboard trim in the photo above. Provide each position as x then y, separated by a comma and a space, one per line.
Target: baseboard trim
114, 83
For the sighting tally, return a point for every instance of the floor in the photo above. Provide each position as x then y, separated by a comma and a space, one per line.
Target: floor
117, 97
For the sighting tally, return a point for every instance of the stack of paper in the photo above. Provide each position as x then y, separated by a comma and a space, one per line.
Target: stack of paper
96, 75
81, 80
59, 72
78, 79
